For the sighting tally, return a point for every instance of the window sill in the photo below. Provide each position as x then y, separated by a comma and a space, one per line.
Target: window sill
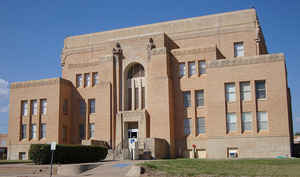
262, 99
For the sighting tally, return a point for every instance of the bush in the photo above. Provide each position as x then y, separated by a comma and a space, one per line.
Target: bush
41, 154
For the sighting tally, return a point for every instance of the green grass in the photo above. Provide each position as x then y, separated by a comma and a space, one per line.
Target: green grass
14, 161
241, 167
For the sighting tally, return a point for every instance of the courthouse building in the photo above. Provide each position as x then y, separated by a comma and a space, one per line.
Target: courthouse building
203, 87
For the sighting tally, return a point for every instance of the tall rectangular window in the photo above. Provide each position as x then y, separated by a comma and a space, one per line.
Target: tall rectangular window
238, 49
65, 107
187, 126
230, 92
78, 80
143, 97
129, 98
231, 122
187, 99
202, 67
192, 68
64, 134
92, 106
199, 94
95, 78
24, 108
33, 131
260, 89
34, 107
81, 131
87, 80
263, 123
200, 125
43, 106
23, 131
246, 121
136, 98
182, 69
92, 130
82, 107
245, 91
43, 131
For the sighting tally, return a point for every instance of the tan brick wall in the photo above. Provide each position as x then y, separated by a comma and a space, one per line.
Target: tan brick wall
210, 38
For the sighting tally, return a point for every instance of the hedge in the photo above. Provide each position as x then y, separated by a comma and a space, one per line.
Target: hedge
41, 154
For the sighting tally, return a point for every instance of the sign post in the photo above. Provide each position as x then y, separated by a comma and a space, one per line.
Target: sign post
53, 147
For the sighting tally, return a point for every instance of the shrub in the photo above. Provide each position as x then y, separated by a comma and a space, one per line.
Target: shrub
41, 154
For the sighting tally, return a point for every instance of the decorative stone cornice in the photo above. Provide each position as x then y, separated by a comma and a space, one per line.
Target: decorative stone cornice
246, 60
192, 51
38, 83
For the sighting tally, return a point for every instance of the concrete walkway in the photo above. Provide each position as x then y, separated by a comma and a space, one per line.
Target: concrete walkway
105, 169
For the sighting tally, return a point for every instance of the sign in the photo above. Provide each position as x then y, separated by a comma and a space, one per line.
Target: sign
53, 146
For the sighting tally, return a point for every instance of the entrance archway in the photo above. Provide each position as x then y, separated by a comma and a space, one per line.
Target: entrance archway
135, 87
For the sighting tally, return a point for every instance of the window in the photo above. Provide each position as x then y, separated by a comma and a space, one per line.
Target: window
262, 118
245, 91
230, 92
231, 122
202, 67
95, 78
187, 126
43, 106
200, 125
78, 80
246, 121
136, 96
87, 80
238, 49
143, 97
92, 105
233, 152
33, 131
92, 130
199, 94
187, 99
23, 131
34, 107
260, 89
192, 68
64, 134
181, 69
65, 107
82, 107
81, 132
22, 156
24, 108
43, 131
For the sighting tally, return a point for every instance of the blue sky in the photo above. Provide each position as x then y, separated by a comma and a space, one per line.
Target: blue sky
32, 32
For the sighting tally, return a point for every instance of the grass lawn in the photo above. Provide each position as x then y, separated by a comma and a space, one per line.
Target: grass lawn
241, 167
14, 161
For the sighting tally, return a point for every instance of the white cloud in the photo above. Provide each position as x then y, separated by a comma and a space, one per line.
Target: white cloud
4, 108
3, 88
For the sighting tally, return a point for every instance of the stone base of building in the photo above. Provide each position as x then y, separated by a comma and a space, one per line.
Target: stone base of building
148, 148
18, 152
244, 147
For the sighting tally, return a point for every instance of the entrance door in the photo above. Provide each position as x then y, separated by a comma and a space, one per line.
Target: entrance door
132, 135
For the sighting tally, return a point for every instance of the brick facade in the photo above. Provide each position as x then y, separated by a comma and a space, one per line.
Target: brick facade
111, 95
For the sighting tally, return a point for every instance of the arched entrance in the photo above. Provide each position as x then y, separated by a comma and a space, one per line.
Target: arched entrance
135, 87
